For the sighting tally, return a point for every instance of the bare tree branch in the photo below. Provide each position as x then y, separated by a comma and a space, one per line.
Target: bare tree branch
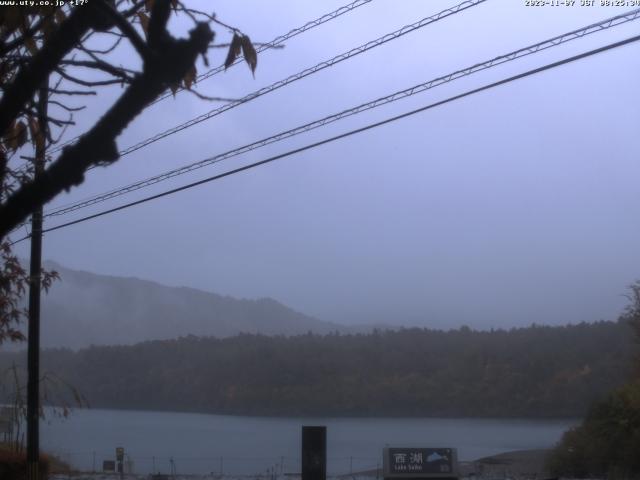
73, 92
86, 83
106, 50
167, 62
19, 41
31, 76
127, 29
101, 65
66, 107
202, 96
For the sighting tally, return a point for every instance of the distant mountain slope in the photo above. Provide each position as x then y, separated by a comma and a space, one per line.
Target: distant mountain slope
86, 308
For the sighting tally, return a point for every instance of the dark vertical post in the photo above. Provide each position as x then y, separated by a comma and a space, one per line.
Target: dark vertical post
35, 267
314, 453
120, 461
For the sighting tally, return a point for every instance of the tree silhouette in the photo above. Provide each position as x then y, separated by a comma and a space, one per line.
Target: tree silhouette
59, 55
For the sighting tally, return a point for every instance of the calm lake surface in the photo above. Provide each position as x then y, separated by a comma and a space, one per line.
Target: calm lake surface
199, 443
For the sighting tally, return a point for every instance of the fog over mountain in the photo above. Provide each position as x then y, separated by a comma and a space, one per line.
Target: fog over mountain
85, 308
515, 205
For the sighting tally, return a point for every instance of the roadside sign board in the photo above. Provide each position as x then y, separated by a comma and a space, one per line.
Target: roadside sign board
415, 462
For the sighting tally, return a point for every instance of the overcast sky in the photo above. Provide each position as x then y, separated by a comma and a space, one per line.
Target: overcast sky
516, 205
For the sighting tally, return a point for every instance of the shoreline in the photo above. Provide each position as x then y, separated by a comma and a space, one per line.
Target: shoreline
514, 465
329, 416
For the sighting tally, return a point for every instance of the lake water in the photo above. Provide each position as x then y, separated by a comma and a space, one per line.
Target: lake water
199, 443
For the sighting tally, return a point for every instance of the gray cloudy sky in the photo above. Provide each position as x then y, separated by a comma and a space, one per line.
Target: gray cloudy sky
516, 205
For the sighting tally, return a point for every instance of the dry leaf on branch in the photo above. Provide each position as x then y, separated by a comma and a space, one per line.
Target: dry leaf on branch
249, 53
144, 22
190, 77
234, 50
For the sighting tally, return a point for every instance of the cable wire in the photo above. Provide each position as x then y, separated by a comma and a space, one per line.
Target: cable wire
279, 40
522, 52
350, 133
305, 73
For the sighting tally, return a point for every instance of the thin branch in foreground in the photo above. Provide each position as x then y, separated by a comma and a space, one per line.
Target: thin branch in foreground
202, 96
107, 50
31, 76
66, 107
88, 83
255, 44
101, 65
127, 29
168, 62
72, 92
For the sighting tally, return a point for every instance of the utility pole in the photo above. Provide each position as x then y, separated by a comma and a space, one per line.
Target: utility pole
35, 269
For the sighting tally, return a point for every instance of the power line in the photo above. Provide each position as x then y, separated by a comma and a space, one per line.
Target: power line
302, 74
306, 72
522, 52
468, 93
282, 38
279, 40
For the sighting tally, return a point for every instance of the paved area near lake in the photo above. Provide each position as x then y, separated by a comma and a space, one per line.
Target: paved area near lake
520, 464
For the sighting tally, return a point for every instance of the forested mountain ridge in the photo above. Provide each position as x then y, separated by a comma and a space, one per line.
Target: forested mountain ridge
525, 372
83, 309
